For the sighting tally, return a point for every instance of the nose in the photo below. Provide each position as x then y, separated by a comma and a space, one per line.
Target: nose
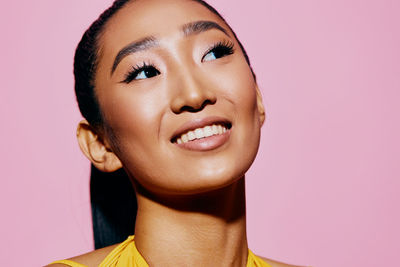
191, 95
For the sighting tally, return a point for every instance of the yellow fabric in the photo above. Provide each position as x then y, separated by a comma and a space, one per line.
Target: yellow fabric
70, 263
126, 255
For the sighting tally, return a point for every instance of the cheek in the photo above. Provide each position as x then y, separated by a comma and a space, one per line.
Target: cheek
125, 111
239, 87
134, 118
132, 113
242, 93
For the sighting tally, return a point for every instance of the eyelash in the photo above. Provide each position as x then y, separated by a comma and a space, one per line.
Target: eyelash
225, 48
133, 73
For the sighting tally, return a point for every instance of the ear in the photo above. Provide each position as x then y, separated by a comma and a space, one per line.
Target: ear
260, 105
95, 149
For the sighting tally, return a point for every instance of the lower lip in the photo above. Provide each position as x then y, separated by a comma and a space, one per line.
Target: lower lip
206, 143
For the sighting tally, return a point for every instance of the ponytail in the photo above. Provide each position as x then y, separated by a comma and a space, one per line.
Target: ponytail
114, 207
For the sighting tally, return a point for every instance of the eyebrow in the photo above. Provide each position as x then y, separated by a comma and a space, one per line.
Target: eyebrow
189, 29
142, 44
197, 27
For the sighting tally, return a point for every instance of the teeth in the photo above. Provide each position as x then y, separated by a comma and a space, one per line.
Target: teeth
201, 133
191, 135
184, 138
219, 129
214, 129
207, 131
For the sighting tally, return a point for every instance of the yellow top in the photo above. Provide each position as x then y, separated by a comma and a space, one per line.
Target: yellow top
126, 254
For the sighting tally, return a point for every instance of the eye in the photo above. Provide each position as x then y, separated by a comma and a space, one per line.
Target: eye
218, 50
141, 72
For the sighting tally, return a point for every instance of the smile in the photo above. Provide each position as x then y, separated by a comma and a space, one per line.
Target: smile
200, 133
203, 134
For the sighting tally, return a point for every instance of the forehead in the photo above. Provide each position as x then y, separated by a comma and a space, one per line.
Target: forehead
142, 18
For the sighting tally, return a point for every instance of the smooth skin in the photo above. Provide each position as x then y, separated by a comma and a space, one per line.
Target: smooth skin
191, 203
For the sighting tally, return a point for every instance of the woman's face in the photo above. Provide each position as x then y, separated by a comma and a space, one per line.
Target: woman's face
170, 71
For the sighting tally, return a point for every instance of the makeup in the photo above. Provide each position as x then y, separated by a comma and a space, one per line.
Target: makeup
186, 119
218, 50
202, 134
140, 72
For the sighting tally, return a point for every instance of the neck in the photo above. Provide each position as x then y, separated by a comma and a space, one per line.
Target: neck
207, 229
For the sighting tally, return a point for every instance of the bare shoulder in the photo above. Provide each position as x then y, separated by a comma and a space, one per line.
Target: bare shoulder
93, 258
277, 263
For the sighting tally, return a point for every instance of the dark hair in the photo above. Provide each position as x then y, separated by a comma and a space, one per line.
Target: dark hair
110, 209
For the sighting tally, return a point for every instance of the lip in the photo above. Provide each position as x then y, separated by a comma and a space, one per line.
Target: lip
206, 143
200, 123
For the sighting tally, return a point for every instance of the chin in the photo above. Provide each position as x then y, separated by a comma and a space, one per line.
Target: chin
203, 180
190, 173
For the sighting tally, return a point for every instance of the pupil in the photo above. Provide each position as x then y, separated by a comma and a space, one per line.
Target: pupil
218, 53
150, 72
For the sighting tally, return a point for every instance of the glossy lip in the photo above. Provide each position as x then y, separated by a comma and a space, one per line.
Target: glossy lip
200, 123
206, 143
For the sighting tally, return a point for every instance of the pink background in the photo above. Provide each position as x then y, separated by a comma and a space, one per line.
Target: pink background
325, 188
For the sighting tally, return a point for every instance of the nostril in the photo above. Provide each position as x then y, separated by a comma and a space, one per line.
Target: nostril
196, 108
188, 109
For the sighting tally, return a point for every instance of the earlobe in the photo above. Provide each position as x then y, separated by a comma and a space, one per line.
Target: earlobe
95, 149
260, 105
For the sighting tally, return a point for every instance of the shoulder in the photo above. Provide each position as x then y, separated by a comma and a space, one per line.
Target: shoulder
93, 258
277, 263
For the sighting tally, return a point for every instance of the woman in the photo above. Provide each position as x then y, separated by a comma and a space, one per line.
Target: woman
168, 95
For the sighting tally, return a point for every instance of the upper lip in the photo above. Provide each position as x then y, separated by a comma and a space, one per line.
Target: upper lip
199, 123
